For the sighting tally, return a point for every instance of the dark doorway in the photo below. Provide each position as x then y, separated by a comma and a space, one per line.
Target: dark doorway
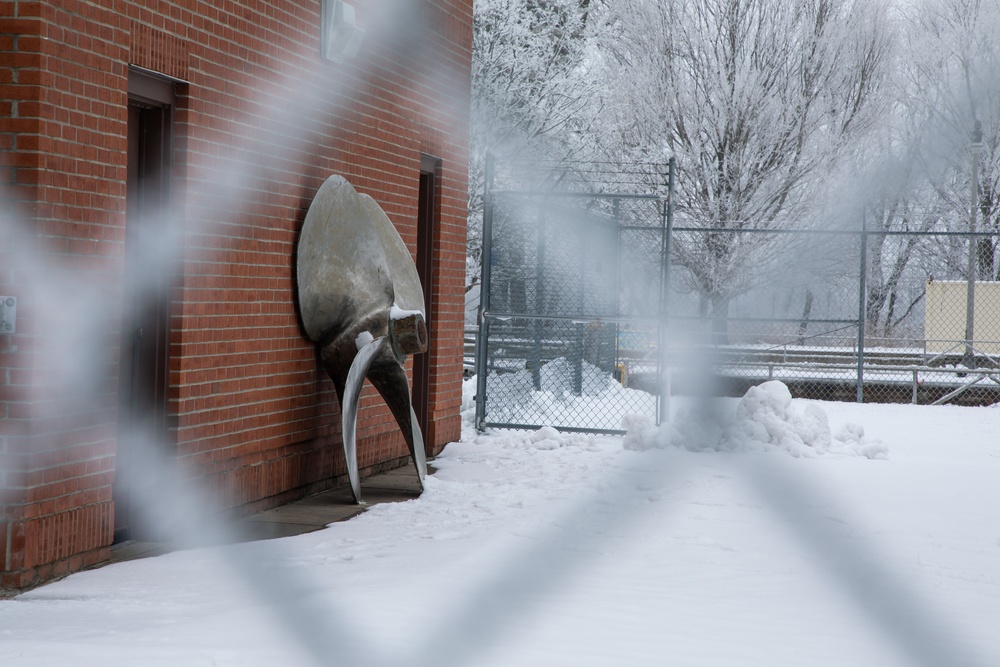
427, 206
143, 379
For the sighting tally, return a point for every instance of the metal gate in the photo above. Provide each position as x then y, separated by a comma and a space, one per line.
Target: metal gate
571, 308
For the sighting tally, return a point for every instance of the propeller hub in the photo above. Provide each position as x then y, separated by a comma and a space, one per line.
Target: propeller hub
408, 333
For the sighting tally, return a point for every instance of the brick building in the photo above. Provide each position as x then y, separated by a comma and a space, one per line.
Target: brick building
227, 116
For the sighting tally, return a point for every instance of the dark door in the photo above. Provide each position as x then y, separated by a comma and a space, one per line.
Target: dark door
427, 206
143, 377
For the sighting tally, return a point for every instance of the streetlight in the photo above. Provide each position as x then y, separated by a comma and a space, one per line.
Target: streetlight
970, 295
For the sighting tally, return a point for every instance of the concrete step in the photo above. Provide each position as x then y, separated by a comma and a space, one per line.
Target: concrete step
302, 516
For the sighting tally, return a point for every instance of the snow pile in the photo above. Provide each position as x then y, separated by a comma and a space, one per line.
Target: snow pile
509, 392
557, 377
764, 419
513, 398
545, 438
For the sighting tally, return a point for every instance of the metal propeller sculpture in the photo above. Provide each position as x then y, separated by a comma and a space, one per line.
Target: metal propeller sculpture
362, 304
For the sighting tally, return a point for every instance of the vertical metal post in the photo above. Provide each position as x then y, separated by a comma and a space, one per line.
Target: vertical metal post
580, 340
862, 309
662, 368
482, 340
581, 335
970, 293
539, 325
616, 293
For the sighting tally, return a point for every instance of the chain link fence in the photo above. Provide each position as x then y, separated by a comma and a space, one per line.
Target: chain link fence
566, 323
861, 315
580, 302
571, 308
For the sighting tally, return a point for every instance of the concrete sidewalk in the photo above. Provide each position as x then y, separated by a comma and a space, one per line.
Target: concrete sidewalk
302, 516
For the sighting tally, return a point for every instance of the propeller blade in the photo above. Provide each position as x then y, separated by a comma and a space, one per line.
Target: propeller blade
417, 451
408, 293
349, 409
357, 282
343, 277
390, 380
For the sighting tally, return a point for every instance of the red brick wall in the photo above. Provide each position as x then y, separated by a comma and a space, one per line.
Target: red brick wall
66, 135
260, 123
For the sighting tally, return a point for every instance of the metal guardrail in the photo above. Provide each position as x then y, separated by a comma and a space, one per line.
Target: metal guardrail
937, 378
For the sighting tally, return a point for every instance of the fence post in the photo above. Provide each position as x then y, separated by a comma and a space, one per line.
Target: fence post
969, 359
862, 298
482, 340
616, 291
536, 358
662, 368
580, 331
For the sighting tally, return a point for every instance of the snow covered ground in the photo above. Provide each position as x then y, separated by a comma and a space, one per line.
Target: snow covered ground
779, 541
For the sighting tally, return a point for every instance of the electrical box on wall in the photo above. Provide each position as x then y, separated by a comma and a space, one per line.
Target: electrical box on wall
8, 315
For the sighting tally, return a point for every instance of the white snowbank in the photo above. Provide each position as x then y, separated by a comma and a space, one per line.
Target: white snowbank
602, 402
555, 377
764, 419
549, 549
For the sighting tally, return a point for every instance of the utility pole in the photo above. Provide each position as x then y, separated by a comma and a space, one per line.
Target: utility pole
969, 359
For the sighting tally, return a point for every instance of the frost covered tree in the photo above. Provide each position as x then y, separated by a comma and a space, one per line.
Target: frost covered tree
756, 99
897, 199
918, 169
953, 79
529, 82
532, 92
